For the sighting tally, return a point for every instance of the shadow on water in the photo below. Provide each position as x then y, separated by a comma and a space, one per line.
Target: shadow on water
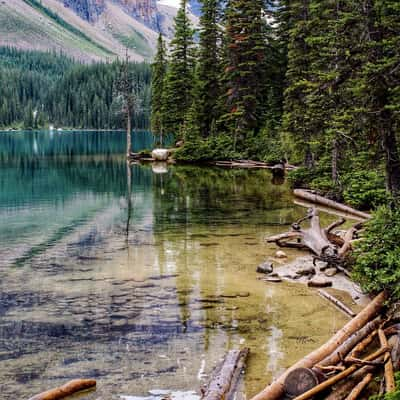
142, 277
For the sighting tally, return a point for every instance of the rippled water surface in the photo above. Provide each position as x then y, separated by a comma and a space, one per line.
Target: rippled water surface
140, 277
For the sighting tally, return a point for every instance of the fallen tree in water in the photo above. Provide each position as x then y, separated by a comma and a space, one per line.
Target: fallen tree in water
322, 242
316, 199
66, 390
225, 378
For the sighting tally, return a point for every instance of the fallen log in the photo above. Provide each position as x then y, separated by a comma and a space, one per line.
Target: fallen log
394, 343
360, 348
355, 393
350, 343
226, 376
68, 389
342, 390
275, 390
390, 385
337, 378
314, 198
337, 303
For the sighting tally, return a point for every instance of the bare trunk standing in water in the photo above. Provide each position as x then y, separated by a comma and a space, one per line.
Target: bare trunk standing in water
127, 91
128, 135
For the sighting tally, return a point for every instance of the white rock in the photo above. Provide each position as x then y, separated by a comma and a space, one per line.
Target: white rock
280, 254
160, 168
160, 154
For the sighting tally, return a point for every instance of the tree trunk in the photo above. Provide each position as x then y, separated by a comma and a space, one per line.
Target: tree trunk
335, 162
128, 134
392, 163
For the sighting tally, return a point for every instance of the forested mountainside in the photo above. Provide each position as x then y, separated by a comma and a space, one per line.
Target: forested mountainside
88, 30
38, 89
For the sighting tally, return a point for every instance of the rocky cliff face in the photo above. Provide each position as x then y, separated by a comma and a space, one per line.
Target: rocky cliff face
143, 10
89, 10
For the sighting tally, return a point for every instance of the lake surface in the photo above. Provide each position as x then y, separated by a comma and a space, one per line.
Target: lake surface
141, 277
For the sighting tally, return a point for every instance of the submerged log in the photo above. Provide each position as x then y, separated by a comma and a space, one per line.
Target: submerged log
68, 389
275, 390
337, 303
316, 199
225, 378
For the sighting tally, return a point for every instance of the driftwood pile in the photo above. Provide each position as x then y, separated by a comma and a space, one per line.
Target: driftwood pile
344, 366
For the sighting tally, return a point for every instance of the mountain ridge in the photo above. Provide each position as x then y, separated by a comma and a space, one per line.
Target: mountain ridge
87, 30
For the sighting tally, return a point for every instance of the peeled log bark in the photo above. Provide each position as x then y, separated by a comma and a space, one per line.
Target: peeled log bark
275, 390
314, 198
68, 389
226, 376
350, 343
360, 387
389, 373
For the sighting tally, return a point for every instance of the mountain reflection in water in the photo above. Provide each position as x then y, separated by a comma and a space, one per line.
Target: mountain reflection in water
141, 278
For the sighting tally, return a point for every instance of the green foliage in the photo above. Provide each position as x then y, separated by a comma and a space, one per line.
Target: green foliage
377, 256
63, 92
393, 395
179, 81
220, 147
364, 189
159, 70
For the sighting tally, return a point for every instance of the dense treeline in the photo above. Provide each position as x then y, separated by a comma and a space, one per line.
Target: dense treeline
313, 82
39, 88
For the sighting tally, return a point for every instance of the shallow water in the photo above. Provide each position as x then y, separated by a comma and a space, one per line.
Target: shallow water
139, 279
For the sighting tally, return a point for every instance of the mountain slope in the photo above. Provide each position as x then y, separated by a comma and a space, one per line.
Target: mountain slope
88, 30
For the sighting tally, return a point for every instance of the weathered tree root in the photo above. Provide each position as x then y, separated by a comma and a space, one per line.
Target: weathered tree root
325, 245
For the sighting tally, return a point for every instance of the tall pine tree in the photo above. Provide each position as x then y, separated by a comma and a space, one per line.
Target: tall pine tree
245, 53
208, 71
178, 91
159, 69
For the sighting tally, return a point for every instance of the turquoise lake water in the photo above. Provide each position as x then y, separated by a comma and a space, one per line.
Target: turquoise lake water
140, 276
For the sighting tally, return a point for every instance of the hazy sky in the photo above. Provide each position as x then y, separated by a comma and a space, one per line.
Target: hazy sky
173, 3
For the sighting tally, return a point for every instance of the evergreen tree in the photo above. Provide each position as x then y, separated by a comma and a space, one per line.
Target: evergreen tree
178, 90
208, 71
378, 84
159, 69
245, 52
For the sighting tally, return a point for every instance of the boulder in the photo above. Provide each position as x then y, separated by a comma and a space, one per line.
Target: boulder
160, 154
265, 268
319, 282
